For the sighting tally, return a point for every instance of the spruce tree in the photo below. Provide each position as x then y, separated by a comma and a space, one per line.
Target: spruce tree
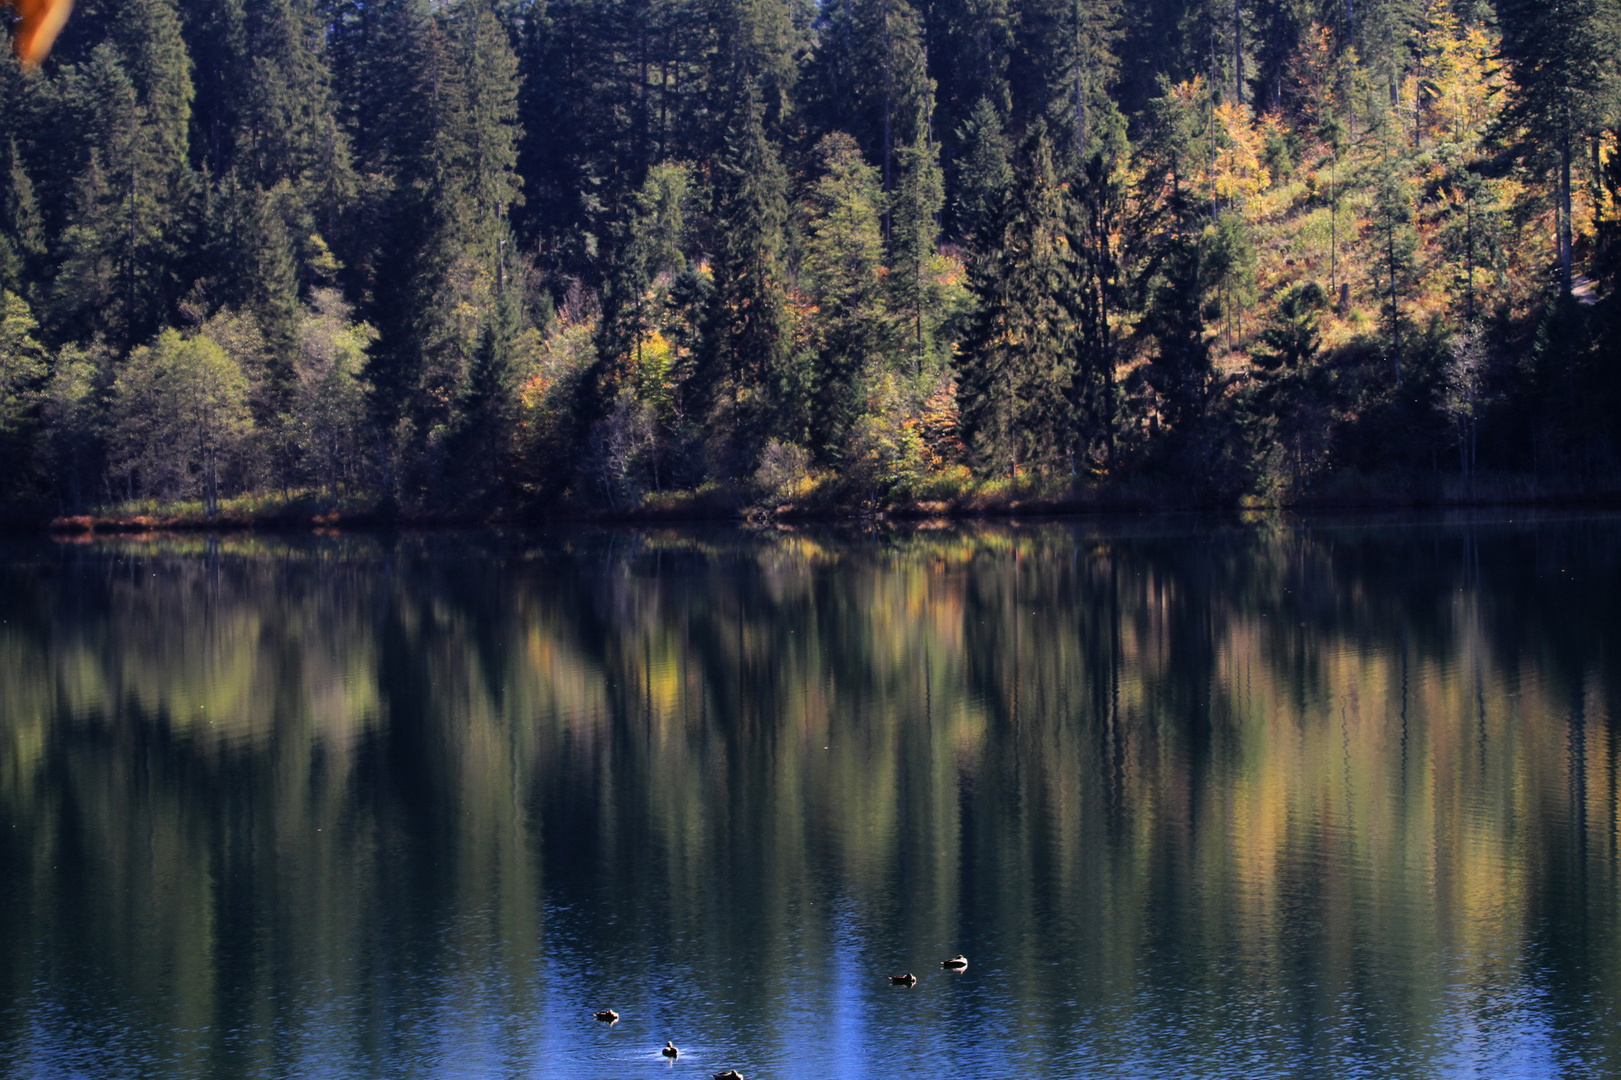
650, 249
970, 43
984, 178
1395, 249
1016, 373
871, 78
748, 312
216, 35
1180, 373
1102, 196
1566, 85
1065, 65
914, 258
842, 270
22, 230
129, 215
450, 135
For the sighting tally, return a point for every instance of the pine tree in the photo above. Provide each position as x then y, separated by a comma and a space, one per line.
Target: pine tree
153, 50
130, 212
572, 120
969, 48
216, 35
1472, 236
289, 120
1382, 32
480, 451
649, 256
756, 45
1283, 28
1180, 372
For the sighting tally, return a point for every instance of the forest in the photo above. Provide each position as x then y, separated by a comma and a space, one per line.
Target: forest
512, 258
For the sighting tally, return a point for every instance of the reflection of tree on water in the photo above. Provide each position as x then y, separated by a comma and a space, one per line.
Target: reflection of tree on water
1267, 765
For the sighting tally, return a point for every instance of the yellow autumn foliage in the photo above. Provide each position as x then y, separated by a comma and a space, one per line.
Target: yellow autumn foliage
1240, 173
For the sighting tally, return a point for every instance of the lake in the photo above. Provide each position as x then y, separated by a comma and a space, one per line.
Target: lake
1196, 798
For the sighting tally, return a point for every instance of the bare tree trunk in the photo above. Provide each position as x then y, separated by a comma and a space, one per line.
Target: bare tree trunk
1469, 259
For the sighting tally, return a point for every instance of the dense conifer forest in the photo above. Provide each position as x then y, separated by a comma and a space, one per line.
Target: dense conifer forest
496, 257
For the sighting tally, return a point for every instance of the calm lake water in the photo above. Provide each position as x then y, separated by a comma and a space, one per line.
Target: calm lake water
1196, 798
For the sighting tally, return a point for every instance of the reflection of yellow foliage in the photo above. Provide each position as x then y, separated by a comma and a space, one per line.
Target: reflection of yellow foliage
862, 692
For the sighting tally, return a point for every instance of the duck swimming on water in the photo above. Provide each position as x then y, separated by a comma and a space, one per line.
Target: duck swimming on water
956, 963
607, 1016
669, 1050
904, 980
729, 1074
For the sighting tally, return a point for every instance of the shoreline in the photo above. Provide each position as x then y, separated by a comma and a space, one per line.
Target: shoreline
709, 507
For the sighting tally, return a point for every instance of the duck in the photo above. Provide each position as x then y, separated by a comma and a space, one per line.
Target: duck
904, 980
607, 1016
729, 1074
956, 963
670, 1050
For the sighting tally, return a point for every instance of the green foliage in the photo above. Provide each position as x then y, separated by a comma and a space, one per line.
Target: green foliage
652, 253
870, 79
1180, 373
1103, 196
22, 373
1229, 259
843, 260
70, 449
179, 416
327, 410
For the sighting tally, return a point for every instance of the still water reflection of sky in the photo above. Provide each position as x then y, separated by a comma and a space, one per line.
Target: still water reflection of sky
1197, 798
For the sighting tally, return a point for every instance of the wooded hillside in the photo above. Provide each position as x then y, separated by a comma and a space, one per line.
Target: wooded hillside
478, 257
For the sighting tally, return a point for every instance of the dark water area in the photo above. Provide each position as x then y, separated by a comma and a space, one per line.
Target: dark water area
1196, 798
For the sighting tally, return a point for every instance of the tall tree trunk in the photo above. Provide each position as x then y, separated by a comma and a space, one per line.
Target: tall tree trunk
1469, 260
1238, 52
889, 109
1564, 212
1395, 309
